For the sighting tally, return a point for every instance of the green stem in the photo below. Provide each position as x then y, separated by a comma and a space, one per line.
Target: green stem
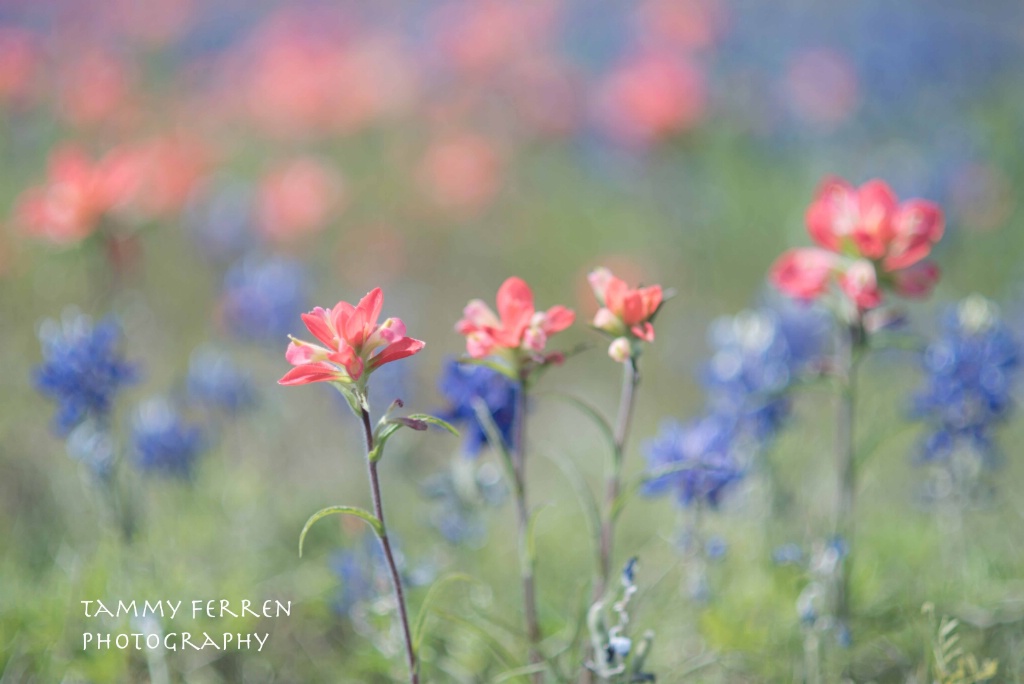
849, 344
613, 488
389, 556
527, 563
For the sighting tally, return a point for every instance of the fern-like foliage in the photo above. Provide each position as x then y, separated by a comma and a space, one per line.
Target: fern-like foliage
951, 664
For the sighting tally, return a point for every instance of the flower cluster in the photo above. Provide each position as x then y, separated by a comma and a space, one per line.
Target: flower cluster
261, 297
83, 369
215, 381
971, 369
163, 441
869, 241
625, 313
518, 332
355, 344
695, 461
463, 385
757, 356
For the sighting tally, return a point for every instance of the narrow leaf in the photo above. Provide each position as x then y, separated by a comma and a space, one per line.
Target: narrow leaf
432, 593
434, 420
590, 412
370, 518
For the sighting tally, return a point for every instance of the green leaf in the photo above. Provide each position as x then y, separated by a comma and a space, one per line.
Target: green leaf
520, 672
493, 643
370, 518
389, 427
432, 593
434, 420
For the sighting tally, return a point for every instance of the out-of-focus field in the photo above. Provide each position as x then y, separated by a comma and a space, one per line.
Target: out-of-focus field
434, 149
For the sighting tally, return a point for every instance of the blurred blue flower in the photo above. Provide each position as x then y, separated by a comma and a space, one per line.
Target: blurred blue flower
715, 548
971, 368
216, 382
263, 298
462, 493
699, 456
365, 577
92, 444
163, 442
462, 385
83, 369
788, 554
757, 355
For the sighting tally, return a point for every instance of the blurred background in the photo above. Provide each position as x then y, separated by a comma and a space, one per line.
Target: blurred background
198, 174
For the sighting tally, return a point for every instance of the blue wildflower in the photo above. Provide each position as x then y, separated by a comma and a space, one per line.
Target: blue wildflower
262, 298
694, 461
463, 385
163, 442
214, 381
462, 493
82, 370
757, 355
970, 369
365, 576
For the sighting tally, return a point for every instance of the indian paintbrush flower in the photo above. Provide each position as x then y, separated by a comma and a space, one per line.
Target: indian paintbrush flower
625, 314
518, 331
355, 344
869, 242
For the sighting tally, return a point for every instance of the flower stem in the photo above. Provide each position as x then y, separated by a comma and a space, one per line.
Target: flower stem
627, 400
848, 345
526, 561
389, 556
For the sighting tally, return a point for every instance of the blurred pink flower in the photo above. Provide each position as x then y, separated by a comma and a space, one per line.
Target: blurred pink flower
480, 36
355, 345
77, 194
870, 239
170, 168
859, 282
298, 198
518, 326
95, 87
690, 25
870, 221
650, 97
804, 273
461, 172
306, 72
20, 63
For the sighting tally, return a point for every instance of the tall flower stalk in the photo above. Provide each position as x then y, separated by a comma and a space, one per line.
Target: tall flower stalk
869, 243
512, 341
355, 345
850, 345
626, 315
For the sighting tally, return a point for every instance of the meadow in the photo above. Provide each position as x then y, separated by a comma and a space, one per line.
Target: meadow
811, 456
